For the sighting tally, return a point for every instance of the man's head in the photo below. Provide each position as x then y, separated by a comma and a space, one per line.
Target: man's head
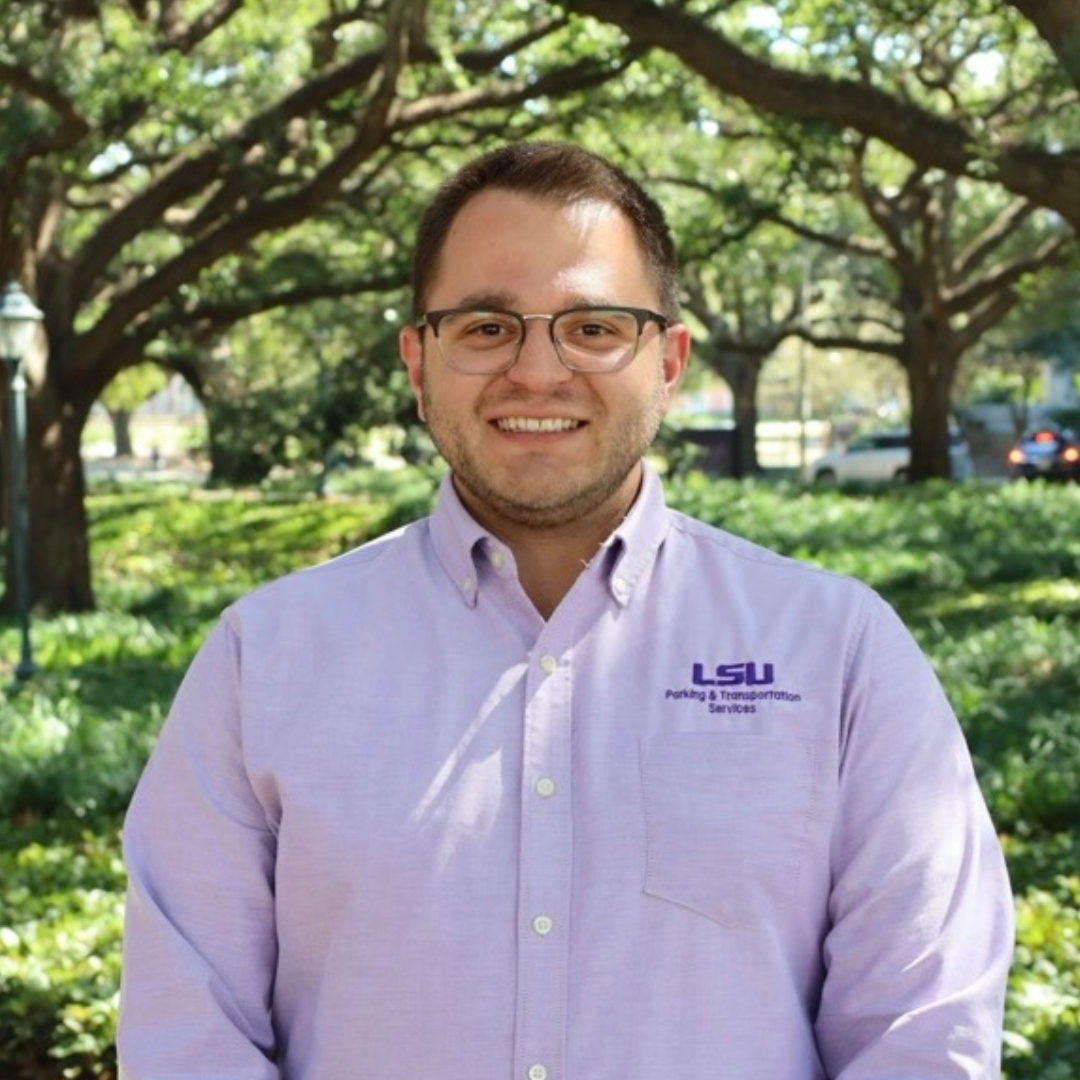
554, 172
544, 352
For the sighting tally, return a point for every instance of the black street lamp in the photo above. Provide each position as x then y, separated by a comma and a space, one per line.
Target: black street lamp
18, 321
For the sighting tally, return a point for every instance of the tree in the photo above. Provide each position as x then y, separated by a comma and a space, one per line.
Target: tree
937, 263
124, 395
746, 314
301, 386
159, 161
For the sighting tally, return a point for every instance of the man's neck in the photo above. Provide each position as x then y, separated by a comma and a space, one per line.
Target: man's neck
548, 572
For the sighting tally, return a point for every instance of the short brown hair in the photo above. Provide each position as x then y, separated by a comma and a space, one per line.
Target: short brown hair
557, 172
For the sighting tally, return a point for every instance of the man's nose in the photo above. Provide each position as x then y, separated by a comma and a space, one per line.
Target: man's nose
538, 362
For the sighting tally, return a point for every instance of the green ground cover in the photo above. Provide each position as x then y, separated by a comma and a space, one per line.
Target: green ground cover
987, 577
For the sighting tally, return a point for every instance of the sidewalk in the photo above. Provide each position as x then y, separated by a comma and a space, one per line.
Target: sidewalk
165, 470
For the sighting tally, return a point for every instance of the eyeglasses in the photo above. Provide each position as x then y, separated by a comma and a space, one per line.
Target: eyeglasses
597, 340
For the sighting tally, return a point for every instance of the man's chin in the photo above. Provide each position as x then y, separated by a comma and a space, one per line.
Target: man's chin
536, 512
540, 506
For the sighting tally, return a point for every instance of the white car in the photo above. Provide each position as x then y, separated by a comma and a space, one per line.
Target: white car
880, 456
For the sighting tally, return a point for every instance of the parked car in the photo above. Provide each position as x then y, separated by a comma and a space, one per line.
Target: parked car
880, 456
1045, 453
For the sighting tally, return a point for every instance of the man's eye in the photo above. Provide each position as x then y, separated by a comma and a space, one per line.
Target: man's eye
598, 329
487, 328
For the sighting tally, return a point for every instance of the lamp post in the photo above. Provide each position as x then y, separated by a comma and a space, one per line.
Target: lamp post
18, 321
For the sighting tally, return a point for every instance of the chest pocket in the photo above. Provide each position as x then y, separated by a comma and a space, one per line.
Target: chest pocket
727, 821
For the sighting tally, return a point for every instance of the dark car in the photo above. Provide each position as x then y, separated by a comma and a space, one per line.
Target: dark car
1045, 453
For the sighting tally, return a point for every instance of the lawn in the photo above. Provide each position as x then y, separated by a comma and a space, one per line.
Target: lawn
988, 578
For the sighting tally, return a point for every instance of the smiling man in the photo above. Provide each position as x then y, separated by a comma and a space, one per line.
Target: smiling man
558, 784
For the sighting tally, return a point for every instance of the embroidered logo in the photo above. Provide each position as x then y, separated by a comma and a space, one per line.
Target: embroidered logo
732, 688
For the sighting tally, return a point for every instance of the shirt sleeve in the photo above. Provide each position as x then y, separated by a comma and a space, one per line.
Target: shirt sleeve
921, 927
200, 947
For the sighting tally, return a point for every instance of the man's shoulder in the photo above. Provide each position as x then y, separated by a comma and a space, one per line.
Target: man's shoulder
713, 544
378, 564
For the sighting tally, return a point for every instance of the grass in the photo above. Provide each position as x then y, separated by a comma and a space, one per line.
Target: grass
987, 578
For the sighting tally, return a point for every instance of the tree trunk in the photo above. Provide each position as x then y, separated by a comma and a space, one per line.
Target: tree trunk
743, 380
121, 425
59, 550
931, 366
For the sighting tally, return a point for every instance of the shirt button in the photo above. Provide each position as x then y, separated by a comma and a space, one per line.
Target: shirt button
545, 787
620, 588
497, 559
543, 925
468, 584
548, 663
537, 1072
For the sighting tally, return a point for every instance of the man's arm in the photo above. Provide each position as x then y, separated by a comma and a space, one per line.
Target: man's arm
921, 912
199, 942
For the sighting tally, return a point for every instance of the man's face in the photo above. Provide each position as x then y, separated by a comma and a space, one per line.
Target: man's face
510, 251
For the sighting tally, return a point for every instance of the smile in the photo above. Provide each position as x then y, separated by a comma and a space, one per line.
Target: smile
533, 423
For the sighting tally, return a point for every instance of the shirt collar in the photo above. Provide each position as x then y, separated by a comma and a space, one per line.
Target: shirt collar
638, 537
458, 538
461, 541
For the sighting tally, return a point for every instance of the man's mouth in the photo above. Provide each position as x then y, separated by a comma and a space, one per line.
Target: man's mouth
535, 423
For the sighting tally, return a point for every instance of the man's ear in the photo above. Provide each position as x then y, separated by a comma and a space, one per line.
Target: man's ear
676, 356
411, 349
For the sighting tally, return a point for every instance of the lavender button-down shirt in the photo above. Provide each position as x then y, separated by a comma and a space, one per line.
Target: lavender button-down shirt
713, 820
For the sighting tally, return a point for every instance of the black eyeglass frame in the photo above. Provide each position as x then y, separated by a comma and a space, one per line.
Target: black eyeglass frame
642, 316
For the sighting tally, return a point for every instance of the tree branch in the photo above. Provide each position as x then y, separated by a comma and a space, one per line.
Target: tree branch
578, 76
219, 316
850, 244
1006, 276
1006, 223
72, 126
190, 174
850, 341
885, 216
482, 60
184, 36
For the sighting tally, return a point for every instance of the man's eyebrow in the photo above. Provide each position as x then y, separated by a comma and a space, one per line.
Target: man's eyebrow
498, 301
504, 301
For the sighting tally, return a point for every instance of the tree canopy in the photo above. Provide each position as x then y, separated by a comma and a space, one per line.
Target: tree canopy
964, 87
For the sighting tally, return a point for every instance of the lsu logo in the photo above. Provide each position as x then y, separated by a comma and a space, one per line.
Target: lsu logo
747, 674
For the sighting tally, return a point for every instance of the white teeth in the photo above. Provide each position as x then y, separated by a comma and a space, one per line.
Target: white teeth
532, 423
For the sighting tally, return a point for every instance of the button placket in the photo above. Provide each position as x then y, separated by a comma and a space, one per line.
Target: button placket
545, 867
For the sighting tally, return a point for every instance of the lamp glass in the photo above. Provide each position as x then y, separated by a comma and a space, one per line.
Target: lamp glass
18, 320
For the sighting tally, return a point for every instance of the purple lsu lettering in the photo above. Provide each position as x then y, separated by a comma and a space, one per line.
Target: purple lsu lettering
734, 675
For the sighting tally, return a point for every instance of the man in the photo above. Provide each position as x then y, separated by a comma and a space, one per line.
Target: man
559, 784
